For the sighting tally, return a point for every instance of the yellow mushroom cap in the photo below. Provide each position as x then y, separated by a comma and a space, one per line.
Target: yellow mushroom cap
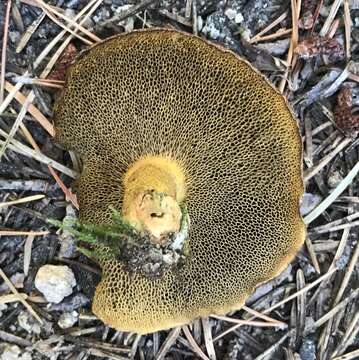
167, 94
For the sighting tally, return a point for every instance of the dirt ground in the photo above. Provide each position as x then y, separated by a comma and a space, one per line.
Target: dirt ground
309, 50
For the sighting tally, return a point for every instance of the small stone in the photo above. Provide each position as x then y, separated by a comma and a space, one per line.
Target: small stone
230, 13
12, 352
334, 178
3, 307
307, 350
55, 282
17, 280
239, 18
68, 319
27, 322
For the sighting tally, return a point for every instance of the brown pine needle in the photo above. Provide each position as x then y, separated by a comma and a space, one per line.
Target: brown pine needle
269, 27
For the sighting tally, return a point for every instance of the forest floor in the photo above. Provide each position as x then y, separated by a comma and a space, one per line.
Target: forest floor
309, 50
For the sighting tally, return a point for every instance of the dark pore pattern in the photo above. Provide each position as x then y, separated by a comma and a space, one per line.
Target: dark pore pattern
162, 92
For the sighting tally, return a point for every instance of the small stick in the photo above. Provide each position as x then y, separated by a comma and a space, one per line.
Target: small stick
276, 35
347, 25
22, 200
17, 122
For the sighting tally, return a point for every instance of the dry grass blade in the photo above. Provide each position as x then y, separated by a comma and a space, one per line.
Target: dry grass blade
21, 299
77, 26
327, 227
9, 298
329, 20
352, 355
68, 193
353, 295
40, 118
22, 200
348, 273
59, 23
207, 332
170, 340
28, 33
3, 51
56, 84
17, 122
198, 351
333, 195
269, 27
27, 253
26, 151
350, 333
309, 173
262, 316
23, 233
250, 322
295, 6
278, 34
312, 254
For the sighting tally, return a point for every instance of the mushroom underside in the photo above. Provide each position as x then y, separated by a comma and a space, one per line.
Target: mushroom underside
165, 94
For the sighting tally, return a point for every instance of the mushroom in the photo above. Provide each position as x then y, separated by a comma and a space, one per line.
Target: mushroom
165, 120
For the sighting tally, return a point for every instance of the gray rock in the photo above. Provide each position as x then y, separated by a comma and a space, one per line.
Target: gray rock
55, 282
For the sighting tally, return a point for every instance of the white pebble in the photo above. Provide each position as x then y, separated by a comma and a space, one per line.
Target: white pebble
55, 282
239, 18
27, 322
230, 13
12, 352
68, 319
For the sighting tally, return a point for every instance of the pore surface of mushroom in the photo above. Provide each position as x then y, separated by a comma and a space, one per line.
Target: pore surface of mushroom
223, 142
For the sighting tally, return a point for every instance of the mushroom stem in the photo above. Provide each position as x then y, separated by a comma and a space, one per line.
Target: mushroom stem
154, 187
